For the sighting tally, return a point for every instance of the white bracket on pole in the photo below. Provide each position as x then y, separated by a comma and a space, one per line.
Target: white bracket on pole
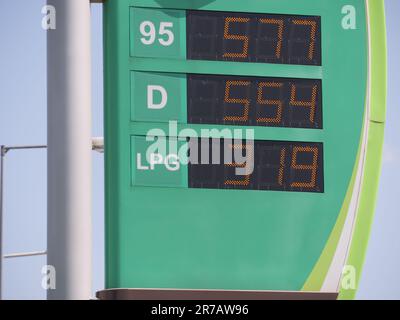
98, 144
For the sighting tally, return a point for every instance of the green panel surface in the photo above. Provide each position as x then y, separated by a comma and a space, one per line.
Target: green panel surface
159, 237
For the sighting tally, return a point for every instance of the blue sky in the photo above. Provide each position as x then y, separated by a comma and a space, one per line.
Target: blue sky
23, 121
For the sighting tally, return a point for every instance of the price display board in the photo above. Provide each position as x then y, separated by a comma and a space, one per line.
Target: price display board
227, 100
242, 145
283, 166
264, 38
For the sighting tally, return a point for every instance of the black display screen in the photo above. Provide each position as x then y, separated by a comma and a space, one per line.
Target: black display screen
243, 37
254, 101
280, 166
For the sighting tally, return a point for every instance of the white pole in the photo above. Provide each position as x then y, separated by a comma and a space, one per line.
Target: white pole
69, 150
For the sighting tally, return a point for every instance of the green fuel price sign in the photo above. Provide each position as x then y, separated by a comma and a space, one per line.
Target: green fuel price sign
243, 145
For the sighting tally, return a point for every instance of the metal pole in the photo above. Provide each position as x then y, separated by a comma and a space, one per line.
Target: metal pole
3, 152
69, 150
31, 147
25, 254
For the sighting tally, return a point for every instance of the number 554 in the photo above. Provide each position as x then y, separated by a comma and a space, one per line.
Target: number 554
149, 34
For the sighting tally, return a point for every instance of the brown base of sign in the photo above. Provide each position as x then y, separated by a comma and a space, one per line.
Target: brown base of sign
171, 294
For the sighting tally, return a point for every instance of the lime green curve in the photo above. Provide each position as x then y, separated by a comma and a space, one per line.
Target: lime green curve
374, 145
317, 276
372, 164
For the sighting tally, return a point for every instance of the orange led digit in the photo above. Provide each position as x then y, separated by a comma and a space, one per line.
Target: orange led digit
313, 33
237, 37
309, 167
262, 101
310, 104
279, 23
245, 102
246, 180
281, 166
